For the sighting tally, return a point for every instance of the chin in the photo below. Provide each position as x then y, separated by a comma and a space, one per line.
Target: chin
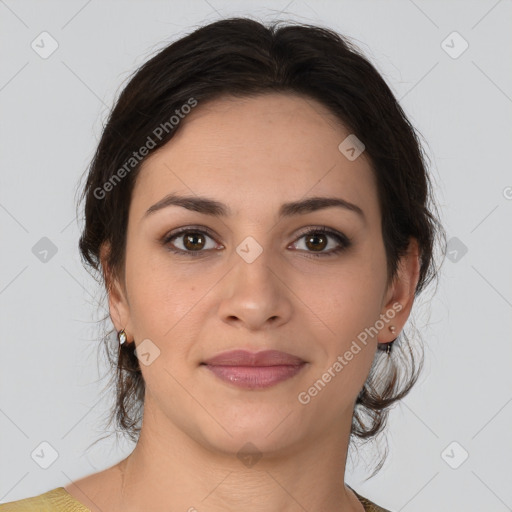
262, 429
253, 443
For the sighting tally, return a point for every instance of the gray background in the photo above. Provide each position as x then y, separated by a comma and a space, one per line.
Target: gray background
52, 111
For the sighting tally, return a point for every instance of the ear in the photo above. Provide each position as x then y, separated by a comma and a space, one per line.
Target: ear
400, 293
119, 307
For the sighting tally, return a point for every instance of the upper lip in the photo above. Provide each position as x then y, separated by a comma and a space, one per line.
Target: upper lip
242, 357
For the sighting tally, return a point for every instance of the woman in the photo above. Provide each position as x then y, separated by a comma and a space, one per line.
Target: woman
260, 212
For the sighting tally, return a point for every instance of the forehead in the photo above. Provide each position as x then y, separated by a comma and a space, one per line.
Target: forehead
248, 150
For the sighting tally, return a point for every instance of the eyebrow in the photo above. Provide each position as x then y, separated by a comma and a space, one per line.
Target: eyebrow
215, 208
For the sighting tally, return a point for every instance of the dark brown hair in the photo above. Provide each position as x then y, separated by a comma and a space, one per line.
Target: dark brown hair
242, 58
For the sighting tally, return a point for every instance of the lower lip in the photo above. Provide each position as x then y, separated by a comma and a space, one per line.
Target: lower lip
255, 377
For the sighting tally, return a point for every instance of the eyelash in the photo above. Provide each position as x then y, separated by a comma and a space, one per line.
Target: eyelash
343, 240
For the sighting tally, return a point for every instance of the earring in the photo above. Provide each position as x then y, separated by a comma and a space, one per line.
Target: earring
121, 336
389, 346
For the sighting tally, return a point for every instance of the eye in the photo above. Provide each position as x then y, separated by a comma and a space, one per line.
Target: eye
317, 239
189, 240
192, 241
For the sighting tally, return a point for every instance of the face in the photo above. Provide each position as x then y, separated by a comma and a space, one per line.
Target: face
253, 278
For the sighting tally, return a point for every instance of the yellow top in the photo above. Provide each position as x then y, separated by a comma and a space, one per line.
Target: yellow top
59, 500
56, 500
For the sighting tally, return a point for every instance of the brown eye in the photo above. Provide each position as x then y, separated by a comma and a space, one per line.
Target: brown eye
193, 241
196, 242
188, 241
316, 241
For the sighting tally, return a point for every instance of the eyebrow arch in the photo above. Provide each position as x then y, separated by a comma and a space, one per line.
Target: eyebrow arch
212, 207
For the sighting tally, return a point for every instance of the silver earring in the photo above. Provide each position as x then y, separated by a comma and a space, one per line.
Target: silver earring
121, 336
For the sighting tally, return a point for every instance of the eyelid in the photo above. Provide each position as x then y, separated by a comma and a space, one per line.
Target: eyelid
185, 229
323, 229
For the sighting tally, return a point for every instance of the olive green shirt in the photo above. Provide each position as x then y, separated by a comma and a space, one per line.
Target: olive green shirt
59, 500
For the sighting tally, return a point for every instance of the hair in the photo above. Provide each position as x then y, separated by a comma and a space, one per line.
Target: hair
243, 58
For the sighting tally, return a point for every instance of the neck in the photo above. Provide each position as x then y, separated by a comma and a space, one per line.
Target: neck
176, 472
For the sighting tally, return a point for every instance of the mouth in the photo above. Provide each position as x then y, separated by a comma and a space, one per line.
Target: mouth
254, 370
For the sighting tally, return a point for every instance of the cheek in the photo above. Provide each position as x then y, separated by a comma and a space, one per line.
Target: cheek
350, 307
349, 347
351, 299
159, 306
165, 303
156, 300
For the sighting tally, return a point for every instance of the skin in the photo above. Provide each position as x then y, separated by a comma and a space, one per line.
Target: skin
253, 155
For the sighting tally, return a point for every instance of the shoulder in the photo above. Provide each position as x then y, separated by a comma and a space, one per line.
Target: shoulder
51, 501
368, 505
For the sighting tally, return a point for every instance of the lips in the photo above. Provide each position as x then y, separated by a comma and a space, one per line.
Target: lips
247, 358
254, 370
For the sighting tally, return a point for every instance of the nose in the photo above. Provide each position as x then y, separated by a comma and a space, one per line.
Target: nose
255, 295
